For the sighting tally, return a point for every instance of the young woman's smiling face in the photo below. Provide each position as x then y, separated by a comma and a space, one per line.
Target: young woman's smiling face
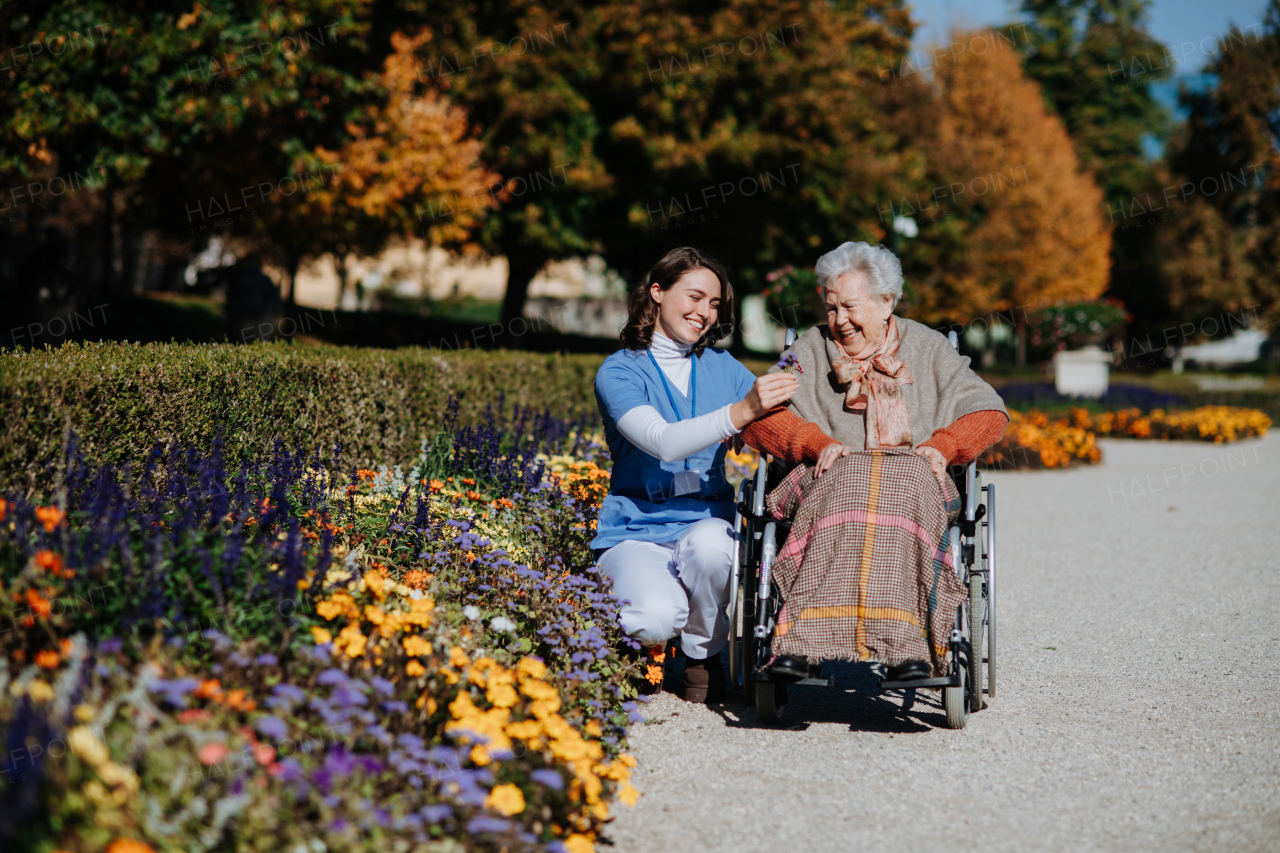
689, 307
858, 321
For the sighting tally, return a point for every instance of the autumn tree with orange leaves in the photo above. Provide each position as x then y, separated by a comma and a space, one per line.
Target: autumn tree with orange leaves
1009, 221
412, 168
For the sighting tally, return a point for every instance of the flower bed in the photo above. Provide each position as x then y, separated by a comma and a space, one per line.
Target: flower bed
1208, 423
389, 659
1032, 440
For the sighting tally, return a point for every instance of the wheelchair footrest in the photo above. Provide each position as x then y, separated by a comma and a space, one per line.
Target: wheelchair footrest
949, 681
811, 681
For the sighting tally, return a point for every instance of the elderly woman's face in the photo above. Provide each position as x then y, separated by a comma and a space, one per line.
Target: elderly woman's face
858, 321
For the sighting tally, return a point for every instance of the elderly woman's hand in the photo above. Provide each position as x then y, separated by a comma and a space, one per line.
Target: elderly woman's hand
934, 457
828, 457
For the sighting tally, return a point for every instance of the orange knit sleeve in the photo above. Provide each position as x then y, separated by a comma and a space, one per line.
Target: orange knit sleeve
964, 440
787, 436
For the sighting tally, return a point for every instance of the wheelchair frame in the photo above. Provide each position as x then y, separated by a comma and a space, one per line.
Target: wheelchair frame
754, 601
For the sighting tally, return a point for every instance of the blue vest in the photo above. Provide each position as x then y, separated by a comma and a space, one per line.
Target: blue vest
640, 504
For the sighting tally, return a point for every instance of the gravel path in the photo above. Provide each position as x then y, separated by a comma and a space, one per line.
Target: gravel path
1136, 707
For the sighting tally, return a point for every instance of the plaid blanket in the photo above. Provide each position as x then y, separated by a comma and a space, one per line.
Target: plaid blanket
866, 573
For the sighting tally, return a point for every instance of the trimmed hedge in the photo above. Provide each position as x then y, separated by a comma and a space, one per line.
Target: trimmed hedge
121, 399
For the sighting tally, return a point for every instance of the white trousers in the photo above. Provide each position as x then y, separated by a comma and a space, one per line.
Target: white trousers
679, 587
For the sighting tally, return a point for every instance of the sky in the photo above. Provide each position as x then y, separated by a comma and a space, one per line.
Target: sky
1174, 22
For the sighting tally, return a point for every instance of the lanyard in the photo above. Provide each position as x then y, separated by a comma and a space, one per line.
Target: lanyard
693, 391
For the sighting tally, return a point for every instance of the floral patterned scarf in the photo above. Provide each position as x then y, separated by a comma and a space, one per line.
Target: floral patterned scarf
875, 386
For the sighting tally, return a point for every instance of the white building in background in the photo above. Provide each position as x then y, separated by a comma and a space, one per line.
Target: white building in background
1243, 347
413, 270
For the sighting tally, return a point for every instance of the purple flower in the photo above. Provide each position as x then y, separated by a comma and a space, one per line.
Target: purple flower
548, 778
386, 688
332, 676
436, 813
484, 824
266, 660
272, 727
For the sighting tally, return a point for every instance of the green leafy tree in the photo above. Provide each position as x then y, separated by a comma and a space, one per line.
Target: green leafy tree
1096, 62
1226, 162
749, 128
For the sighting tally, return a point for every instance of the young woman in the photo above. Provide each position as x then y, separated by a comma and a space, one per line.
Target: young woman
669, 403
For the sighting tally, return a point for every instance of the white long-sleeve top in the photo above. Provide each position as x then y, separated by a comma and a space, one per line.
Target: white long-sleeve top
647, 429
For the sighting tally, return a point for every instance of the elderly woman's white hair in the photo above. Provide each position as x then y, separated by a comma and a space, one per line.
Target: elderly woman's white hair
883, 269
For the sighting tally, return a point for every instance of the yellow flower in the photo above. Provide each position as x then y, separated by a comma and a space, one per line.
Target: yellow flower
351, 640
507, 800
336, 606
458, 658
415, 645
414, 669
531, 667
579, 844
376, 584
321, 636
374, 614
40, 691
86, 744
524, 729
593, 728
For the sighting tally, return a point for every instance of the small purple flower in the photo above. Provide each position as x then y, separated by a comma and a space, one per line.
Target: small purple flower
272, 727
332, 676
386, 688
485, 824
790, 362
267, 659
436, 813
548, 778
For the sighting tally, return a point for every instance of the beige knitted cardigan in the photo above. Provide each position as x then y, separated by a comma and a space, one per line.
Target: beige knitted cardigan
944, 388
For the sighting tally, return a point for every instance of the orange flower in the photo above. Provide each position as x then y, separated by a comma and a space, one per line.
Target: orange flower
48, 659
39, 605
474, 495
128, 845
417, 579
4, 507
192, 714
49, 516
437, 485
468, 481
49, 560
211, 689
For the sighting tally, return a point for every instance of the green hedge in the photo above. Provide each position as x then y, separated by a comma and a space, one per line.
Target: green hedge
120, 399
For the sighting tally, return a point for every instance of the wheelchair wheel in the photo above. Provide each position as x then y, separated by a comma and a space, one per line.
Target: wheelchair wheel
770, 700
955, 702
977, 612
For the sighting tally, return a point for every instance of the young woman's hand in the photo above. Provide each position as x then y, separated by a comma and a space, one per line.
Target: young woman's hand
828, 457
772, 389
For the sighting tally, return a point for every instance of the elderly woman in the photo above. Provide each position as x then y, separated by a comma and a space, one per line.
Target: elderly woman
884, 405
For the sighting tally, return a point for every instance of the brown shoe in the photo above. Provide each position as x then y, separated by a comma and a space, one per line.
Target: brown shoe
704, 681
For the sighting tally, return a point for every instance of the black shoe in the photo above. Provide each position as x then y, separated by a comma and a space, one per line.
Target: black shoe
908, 670
786, 668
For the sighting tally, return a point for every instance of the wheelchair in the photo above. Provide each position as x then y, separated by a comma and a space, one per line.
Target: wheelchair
754, 599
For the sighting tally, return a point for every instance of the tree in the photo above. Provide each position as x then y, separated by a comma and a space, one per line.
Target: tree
621, 129
1096, 63
1228, 153
1013, 222
224, 119
412, 153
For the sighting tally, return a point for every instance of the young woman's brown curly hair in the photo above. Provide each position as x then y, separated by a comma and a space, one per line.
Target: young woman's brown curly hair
642, 311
